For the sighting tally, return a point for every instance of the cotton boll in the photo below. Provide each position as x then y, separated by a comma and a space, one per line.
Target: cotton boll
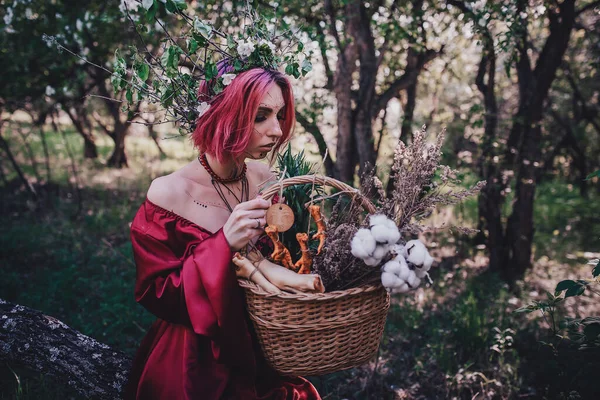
377, 219
401, 289
416, 252
389, 280
412, 280
421, 273
428, 262
393, 267
404, 272
380, 251
380, 233
363, 244
399, 249
371, 261
394, 233
400, 259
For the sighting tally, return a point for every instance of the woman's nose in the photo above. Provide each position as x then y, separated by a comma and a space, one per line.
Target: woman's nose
276, 128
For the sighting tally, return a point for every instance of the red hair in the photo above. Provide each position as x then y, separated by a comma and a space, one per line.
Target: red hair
225, 129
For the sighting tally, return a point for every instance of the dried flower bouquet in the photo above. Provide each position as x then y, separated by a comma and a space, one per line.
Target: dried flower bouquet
365, 248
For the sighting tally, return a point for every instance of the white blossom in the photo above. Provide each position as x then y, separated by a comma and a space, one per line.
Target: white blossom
28, 13
8, 17
50, 91
202, 108
244, 49
227, 78
146, 4
131, 5
79, 25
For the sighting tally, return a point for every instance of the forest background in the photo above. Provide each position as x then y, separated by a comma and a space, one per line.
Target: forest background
512, 311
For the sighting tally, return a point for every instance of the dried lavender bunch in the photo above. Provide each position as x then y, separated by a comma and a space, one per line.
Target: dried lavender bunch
336, 265
415, 194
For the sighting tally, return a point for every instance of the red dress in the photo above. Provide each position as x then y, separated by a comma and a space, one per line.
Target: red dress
202, 346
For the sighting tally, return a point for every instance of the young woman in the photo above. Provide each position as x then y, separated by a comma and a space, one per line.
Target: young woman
184, 238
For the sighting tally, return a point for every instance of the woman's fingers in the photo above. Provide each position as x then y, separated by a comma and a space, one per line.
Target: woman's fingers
256, 203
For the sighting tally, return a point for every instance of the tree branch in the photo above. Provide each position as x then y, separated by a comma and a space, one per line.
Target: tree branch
334, 32
405, 80
314, 130
323, 48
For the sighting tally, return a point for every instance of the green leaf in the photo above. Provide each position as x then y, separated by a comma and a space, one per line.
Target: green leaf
575, 291
593, 175
210, 70
231, 44
151, 13
596, 270
143, 70
306, 67
293, 69
300, 46
129, 95
175, 5
115, 81
564, 285
167, 97
192, 46
147, 4
202, 28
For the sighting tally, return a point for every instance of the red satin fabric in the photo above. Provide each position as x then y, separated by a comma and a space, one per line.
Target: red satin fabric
202, 346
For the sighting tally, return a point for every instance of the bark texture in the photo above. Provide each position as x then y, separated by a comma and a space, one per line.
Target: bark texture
44, 344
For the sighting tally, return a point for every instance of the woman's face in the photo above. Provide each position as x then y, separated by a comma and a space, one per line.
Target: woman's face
267, 128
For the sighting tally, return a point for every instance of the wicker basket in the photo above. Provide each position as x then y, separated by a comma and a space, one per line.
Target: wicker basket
318, 333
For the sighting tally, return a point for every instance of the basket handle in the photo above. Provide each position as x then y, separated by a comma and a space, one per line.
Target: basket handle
321, 180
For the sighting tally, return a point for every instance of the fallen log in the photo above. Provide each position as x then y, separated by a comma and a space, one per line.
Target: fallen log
44, 344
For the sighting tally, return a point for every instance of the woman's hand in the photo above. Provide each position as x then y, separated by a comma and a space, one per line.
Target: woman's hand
246, 222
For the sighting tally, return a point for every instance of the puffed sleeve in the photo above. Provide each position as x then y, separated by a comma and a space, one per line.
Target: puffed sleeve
186, 279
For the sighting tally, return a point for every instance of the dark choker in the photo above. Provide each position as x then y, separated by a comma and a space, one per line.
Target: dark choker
214, 176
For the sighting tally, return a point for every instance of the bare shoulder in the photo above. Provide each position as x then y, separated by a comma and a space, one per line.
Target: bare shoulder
261, 170
167, 191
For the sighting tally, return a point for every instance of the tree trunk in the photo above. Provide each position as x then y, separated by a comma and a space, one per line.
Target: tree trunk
4, 145
46, 345
345, 153
89, 145
118, 158
534, 86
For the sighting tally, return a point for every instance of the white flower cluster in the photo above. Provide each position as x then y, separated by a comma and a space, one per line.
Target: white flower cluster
246, 48
405, 271
411, 261
372, 245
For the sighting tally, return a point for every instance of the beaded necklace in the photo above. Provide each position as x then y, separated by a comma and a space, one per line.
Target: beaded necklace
218, 182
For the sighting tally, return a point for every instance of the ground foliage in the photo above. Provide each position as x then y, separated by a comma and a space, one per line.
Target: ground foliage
459, 338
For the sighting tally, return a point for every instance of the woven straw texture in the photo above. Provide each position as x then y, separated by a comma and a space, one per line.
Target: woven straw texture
318, 333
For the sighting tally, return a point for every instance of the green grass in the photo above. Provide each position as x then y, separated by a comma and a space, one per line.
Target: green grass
79, 269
